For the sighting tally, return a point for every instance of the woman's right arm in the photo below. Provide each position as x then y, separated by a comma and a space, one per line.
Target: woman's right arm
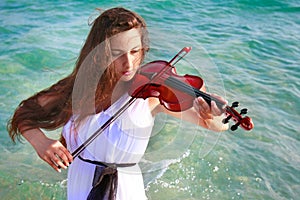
51, 151
47, 110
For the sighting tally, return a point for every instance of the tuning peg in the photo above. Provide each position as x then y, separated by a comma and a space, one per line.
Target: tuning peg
235, 104
234, 127
226, 120
244, 111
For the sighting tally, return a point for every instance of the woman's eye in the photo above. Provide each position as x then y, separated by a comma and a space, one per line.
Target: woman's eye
120, 53
115, 53
135, 51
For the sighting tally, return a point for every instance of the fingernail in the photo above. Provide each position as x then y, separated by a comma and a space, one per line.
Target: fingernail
59, 170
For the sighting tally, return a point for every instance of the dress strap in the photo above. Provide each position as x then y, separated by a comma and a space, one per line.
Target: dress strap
112, 165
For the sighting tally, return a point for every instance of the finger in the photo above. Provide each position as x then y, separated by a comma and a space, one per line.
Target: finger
196, 106
69, 157
203, 105
52, 164
206, 116
202, 108
58, 161
215, 110
63, 157
47, 158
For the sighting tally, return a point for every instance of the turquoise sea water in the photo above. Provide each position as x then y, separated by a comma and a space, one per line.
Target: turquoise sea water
245, 50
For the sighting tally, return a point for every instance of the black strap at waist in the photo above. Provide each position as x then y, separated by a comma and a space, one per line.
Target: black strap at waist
112, 165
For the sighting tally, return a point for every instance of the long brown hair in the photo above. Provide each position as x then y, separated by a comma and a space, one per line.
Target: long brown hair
52, 108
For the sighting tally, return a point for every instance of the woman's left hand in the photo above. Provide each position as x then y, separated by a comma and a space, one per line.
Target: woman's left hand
211, 115
206, 111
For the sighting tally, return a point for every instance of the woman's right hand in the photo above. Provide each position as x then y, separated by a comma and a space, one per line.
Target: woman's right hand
51, 151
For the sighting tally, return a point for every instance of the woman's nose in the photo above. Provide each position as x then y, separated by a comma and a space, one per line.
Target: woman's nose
127, 60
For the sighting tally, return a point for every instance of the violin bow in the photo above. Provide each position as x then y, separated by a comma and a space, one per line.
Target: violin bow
100, 130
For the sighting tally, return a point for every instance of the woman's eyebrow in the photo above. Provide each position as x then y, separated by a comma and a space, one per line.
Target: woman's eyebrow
137, 47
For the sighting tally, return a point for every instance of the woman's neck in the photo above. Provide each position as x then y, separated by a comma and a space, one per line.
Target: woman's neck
120, 89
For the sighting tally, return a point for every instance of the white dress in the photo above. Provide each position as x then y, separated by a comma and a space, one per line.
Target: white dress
124, 141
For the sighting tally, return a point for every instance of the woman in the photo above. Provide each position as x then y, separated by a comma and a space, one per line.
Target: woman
84, 100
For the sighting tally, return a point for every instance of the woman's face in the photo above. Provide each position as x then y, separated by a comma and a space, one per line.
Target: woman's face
126, 50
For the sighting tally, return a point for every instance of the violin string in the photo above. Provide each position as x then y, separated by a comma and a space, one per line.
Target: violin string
190, 90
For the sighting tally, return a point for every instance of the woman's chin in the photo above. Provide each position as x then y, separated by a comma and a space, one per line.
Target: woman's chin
127, 77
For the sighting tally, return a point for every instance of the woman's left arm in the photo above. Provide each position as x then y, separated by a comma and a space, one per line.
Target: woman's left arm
202, 114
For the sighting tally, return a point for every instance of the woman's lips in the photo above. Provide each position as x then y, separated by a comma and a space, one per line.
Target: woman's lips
127, 73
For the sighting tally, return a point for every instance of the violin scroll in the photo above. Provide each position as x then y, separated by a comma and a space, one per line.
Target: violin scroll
245, 122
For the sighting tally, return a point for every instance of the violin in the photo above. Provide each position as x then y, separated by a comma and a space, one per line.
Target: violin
176, 93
